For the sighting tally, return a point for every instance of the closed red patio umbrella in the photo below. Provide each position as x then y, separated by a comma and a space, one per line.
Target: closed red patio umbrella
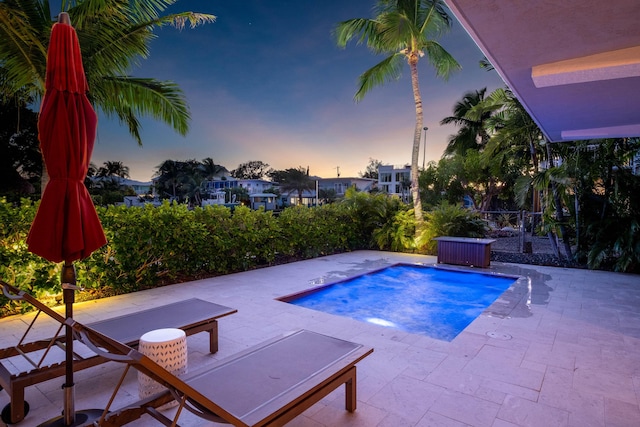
66, 227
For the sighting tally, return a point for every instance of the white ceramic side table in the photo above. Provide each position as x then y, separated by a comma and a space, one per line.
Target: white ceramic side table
168, 348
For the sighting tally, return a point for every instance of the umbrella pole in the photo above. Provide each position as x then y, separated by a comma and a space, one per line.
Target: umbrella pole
68, 279
69, 416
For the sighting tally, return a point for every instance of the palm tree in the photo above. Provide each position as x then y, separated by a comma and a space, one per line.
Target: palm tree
168, 177
405, 30
209, 169
293, 180
472, 132
114, 36
113, 169
512, 127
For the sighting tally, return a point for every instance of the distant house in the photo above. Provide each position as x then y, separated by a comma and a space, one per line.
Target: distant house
139, 187
395, 180
251, 185
292, 199
214, 198
213, 192
265, 200
255, 186
340, 185
130, 201
217, 184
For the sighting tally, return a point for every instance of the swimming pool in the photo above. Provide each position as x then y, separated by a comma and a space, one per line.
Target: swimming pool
418, 299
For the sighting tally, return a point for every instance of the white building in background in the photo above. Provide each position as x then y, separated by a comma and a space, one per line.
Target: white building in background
251, 185
268, 201
139, 187
256, 186
395, 180
340, 185
218, 184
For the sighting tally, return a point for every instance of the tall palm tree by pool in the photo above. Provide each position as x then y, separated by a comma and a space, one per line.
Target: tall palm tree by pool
406, 30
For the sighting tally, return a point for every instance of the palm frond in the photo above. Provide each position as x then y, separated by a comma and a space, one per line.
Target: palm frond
388, 69
441, 60
434, 17
128, 97
521, 190
359, 28
21, 49
395, 32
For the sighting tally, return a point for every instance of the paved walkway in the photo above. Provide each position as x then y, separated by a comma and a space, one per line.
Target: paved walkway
560, 348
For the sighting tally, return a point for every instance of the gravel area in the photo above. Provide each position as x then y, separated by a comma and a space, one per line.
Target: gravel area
507, 249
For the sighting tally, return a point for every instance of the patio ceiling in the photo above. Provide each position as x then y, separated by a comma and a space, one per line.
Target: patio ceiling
574, 64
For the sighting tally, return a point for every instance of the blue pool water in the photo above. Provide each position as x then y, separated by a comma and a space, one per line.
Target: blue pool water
423, 300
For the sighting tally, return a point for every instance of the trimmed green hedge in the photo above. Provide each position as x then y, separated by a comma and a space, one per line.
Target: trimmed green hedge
152, 246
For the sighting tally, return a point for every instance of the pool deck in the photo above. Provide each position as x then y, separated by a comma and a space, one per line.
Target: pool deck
560, 348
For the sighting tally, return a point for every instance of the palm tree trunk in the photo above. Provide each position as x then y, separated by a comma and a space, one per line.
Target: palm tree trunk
534, 161
554, 245
559, 213
415, 153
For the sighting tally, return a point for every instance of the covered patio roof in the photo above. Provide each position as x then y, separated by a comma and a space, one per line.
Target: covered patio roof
574, 64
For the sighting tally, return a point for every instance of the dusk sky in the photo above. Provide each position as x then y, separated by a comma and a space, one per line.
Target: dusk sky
267, 82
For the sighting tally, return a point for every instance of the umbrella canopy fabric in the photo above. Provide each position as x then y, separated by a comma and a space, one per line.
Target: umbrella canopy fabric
66, 226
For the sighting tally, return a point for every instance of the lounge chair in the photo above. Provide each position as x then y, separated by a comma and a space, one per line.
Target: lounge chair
191, 315
266, 385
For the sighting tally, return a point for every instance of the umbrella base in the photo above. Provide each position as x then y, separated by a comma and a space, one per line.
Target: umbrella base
83, 418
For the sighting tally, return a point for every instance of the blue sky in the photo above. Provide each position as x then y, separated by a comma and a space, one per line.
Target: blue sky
267, 82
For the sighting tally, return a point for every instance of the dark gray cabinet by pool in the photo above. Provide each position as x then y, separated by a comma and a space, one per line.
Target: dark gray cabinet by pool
464, 251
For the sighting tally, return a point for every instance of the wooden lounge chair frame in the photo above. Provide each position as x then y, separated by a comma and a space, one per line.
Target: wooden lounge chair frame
287, 396
192, 316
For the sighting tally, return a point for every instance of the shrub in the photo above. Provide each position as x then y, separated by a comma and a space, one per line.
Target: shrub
449, 220
617, 245
308, 233
19, 267
372, 215
397, 234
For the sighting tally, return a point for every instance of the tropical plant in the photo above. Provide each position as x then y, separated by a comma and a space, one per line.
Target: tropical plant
472, 131
114, 36
443, 181
606, 192
449, 220
105, 183
513, 132
210, 170
505, 220
515, 144
112, 168
372, 212
489, 173
397, 233
405, 30
169, 178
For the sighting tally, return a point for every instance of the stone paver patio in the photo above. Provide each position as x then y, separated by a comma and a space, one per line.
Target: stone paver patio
560, 348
